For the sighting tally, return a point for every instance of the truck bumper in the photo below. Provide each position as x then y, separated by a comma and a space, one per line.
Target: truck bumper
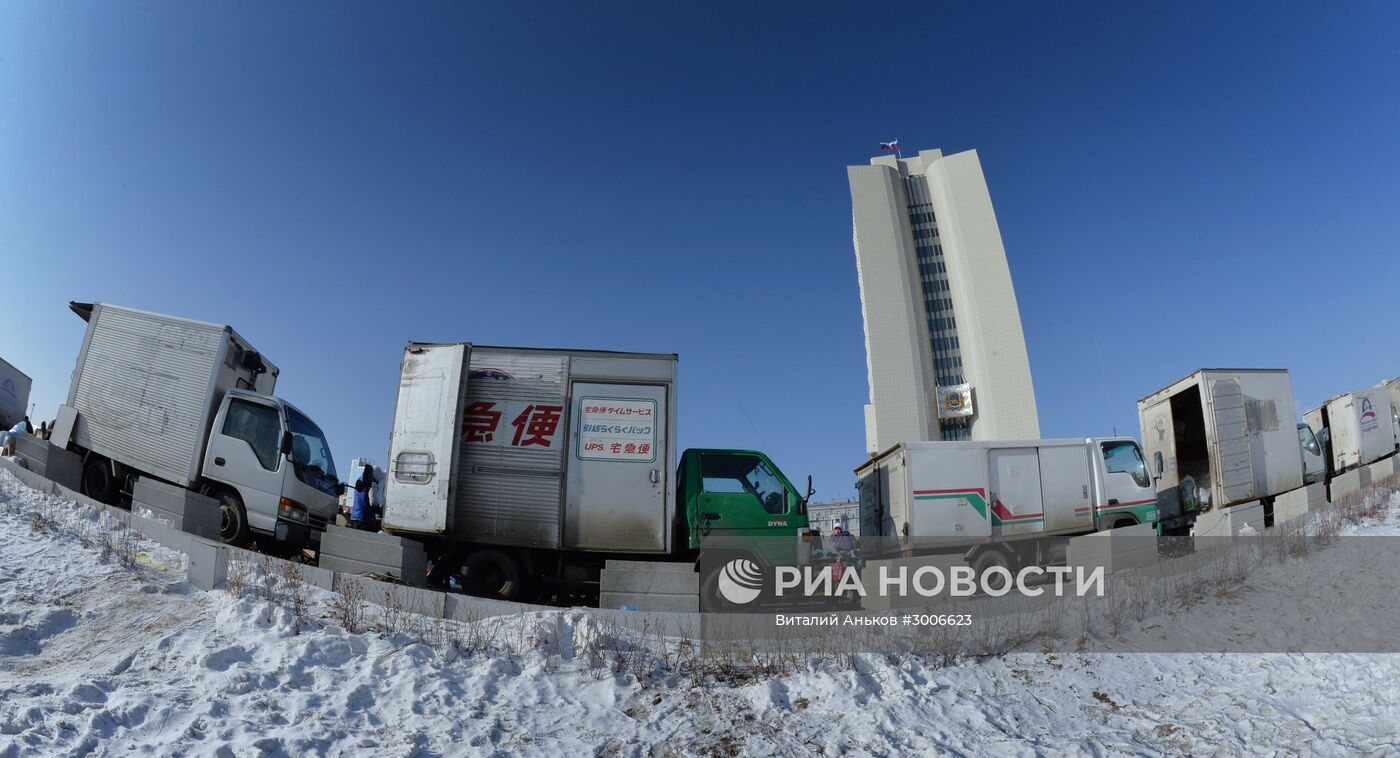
299, 535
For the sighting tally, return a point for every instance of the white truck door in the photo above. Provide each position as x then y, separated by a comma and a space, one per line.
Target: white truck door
1128, 495
426, 438
1375, 436
1014, 499
1234, 461
244, 453
947, 491
1064, 488
619, 470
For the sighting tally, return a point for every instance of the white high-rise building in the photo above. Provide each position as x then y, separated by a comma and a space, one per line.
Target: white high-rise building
943, 342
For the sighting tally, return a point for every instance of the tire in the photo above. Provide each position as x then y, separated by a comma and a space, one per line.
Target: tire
98, 481
233, 520
494, 574
988, 559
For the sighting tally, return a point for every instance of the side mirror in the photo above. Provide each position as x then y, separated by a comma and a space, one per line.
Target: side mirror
807, 498
339, 489
286, 443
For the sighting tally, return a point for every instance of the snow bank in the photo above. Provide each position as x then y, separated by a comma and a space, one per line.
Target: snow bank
104, 647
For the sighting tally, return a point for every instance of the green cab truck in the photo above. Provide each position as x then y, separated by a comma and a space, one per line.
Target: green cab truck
523, 471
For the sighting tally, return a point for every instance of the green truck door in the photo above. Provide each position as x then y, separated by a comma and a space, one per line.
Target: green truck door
741, 495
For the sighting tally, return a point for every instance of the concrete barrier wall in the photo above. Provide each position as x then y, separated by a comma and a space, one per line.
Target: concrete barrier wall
650, 586
1352, 481
1227, 522
176, 507
1298, 503
1113, 550
50, 461
1382, 469
359, 552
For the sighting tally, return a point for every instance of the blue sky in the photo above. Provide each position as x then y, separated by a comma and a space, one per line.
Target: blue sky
1178, 185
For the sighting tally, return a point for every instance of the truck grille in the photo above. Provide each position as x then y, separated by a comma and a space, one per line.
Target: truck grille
316, 522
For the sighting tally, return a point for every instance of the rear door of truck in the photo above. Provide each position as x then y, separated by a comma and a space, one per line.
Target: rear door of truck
1234, 460
948, 492
619, 468
1015, 495
426, 438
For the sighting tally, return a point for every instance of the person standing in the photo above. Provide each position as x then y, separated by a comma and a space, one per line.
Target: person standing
362, 511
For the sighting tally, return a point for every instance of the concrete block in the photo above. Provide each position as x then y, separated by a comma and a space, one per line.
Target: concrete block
664, 581
1381, 469
1114, 550
386, 595
651, 601
875, 600
1317, 495
207, 567
1298, 503
1227, 522
1291, 505
469, 608
162, 533
318, 577
1349, 482
355, 552
81, 499
176, 507
50, 461
652, 566
30, 479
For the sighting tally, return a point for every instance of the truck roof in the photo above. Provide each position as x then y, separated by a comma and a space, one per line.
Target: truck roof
553, 350
937, 444
85, 311
1173, 383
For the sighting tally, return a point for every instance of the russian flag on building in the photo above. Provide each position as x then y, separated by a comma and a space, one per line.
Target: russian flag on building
891, 145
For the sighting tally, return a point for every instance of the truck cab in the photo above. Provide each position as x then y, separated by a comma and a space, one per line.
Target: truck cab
735, 494
271, 469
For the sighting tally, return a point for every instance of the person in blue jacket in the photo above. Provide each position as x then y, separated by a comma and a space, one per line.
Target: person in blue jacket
363, 514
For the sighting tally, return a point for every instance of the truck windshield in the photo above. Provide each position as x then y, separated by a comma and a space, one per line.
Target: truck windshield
1308, 440
1123, 457
744, 473
311, 453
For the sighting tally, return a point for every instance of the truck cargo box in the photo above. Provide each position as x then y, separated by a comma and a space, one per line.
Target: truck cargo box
954, 493
14, 395
147, 386
1229, 434
557, 449
1359, 427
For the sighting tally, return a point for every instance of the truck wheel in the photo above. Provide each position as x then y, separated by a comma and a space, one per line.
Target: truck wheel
233, 520
492, 573
98, 481
987, 560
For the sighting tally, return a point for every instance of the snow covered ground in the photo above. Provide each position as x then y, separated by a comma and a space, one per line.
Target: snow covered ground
98, 654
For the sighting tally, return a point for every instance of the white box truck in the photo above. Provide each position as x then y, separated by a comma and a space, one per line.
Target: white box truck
14, 395
190, 403
1356, 428
1392, 390
990, 500
1218, 438
525, 470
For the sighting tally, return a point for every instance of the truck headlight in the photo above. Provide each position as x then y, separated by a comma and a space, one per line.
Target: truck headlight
291, 510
